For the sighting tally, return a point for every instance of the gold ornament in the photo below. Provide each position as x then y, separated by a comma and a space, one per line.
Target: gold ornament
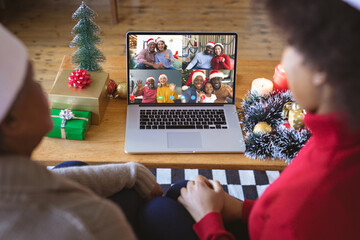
262, 127
294, 114
121, 90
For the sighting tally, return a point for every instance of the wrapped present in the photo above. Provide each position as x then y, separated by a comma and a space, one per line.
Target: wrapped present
92, 98
294, 114
69, 124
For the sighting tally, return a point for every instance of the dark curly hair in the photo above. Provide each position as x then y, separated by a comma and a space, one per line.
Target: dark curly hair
327, 33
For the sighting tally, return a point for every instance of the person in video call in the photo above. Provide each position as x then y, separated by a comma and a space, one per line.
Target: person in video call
221, 91
148, 92
220, 59
66, 203
208, 96
317, 195
165, 92
163, 54
202, 60
146, 57
192, 94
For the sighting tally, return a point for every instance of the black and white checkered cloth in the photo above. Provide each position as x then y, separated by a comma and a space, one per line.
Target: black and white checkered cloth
241, 184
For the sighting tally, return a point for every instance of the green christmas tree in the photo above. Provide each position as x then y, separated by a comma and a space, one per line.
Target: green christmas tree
88, 56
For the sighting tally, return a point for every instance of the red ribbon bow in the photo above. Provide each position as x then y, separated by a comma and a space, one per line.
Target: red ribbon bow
79, 78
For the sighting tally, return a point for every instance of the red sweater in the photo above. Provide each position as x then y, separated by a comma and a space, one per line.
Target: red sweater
221, 65
316, 197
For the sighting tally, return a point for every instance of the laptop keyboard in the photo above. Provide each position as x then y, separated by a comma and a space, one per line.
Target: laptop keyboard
183, 119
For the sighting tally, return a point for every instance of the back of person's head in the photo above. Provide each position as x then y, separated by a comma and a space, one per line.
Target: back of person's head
327, 33
13, 69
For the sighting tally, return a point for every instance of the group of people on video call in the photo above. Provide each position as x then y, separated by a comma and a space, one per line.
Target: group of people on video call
158, 56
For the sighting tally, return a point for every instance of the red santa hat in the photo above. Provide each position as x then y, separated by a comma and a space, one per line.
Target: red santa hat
216, 73
13, 68
150, 77
219, 44
159, 39
150, 40
163, 75
195, 74
211, 44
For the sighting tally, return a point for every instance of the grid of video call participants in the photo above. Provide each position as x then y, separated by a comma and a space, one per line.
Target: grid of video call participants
181, 68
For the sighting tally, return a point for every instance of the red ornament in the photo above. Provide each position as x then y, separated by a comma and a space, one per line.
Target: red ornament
280, 79
132, 97
79, 79
195, 43
111, 87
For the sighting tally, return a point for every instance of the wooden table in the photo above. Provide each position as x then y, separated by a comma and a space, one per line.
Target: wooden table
105, 142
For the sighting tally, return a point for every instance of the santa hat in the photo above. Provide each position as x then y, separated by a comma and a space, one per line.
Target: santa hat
211, 44
13, 68
195, 74
150, 77
159, 39
216, 73
162, 75
150, 40
219, 44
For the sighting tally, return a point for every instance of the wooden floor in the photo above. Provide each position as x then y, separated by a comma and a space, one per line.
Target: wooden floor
45, 26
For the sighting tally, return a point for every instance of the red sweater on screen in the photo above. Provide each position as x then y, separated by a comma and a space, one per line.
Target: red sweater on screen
316, 197
221, 65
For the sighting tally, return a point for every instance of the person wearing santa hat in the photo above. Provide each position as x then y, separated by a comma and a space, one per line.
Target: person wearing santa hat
220, 59
193, 94
163, 54
66, 203
148, 92
146, 57
202, 60
221, 91
165, 92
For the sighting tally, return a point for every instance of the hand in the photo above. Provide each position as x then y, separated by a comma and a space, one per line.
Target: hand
217, 60
155, 192
159, 66
167, 56
139, 85
172, 87
199, 199
221, 59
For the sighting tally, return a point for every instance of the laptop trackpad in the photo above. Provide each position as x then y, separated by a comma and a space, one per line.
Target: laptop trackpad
184, 140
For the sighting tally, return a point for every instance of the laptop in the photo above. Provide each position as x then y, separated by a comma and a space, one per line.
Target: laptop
181, 92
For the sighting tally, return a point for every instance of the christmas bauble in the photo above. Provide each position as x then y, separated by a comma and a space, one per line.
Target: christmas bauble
121, 90
262, 127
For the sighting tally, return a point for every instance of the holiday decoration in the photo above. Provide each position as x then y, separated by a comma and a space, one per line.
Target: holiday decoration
79, 79
282, 143
111, 89
92, 99
88, 56
261, 86
262, 127
69, 124
280, 79
295, 115
121, 90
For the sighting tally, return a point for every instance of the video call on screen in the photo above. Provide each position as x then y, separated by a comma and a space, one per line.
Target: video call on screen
181, 69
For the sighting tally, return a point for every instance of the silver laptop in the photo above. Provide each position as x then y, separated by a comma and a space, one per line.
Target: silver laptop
181, 92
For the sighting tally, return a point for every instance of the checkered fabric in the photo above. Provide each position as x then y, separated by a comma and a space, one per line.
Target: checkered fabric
241, 184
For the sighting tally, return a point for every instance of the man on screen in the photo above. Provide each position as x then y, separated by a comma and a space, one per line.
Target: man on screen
221, 91
148, 92
202, 60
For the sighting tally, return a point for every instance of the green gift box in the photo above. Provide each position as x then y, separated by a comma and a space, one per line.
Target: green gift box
75, 124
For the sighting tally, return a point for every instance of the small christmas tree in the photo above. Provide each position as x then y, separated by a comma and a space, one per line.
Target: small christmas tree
88, 56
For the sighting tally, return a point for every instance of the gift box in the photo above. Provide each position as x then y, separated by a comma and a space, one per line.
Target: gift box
92, 98
69, 124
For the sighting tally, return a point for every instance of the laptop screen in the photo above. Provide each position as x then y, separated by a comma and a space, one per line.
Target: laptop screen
181, 68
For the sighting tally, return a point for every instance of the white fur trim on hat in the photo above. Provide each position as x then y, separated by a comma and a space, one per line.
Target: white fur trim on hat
159, 39
13, 67
150, 78
162, 75
210, 43
200, 73
353, 3
150, 40
219, 44
216, 74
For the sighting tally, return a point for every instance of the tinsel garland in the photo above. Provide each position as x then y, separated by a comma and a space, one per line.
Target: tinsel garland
282, 143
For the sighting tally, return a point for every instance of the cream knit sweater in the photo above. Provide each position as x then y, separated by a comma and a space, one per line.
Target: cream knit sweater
39, 204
